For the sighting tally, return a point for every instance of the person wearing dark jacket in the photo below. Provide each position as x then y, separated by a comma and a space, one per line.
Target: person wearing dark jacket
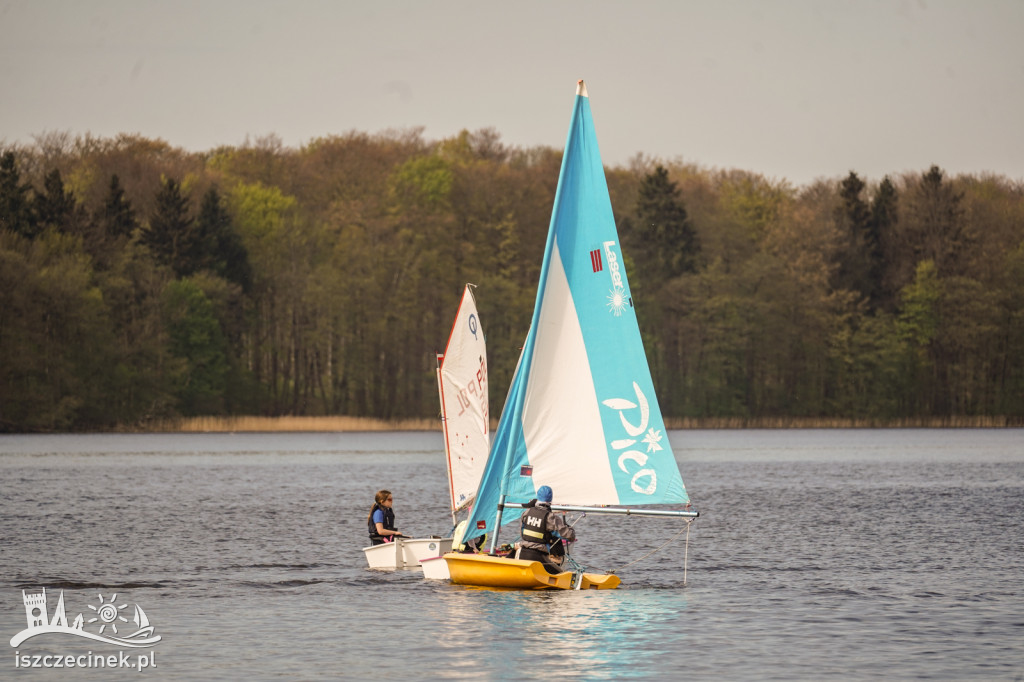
543, 532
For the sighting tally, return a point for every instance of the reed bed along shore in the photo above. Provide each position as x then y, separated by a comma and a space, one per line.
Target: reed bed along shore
960, 422
271, 424
315, 424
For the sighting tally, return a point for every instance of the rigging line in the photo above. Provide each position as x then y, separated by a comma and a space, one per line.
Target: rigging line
577, 520
686, 551
579, 569
666, 544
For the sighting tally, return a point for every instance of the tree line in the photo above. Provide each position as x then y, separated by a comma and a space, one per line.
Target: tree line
141, 282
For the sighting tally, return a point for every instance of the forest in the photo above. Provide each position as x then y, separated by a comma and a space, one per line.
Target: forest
140, 282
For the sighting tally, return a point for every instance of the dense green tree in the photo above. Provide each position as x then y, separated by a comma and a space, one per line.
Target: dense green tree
917, 326
144, 378
55, 342
660, 245
197, 341
968, 331
864, 357
116, 216
857, 244
881, 225
661, 235
933, 227
219, 247
1007, 377
171, 233
282, 254
15, 208
55, 206
112, 225
323, 280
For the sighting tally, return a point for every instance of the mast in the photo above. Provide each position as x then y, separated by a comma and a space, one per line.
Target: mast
447, 445
531, 339
463, 391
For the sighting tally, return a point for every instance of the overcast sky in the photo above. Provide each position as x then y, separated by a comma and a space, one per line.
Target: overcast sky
792, 89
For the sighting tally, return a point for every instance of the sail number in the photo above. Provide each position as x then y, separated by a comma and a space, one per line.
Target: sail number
476, 392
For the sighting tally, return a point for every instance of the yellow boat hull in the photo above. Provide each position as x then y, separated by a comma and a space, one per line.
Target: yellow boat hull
489, 571
599, 581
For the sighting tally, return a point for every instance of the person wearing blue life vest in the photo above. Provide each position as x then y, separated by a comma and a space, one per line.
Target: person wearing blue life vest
544, 533
380, 522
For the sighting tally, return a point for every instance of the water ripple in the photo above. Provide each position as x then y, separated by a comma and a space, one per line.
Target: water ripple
820, 556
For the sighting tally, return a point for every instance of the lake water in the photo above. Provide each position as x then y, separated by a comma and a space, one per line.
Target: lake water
819, 554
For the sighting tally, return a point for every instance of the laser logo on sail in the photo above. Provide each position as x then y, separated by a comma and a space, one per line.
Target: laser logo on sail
613, 265
617, 298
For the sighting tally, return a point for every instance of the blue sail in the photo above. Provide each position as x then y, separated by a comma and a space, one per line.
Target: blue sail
581, 414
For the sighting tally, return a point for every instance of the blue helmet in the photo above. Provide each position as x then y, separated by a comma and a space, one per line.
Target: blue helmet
544, 494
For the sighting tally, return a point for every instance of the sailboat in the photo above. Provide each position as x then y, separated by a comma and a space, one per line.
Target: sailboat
581, 414
406, 553
465, 415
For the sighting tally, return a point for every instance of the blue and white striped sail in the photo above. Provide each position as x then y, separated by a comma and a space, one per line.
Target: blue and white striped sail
581, 415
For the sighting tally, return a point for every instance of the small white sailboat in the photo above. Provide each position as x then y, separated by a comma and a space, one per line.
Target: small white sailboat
462, 388
465, 416
581, 414
406, 553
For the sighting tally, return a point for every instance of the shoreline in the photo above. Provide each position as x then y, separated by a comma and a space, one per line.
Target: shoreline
342, 423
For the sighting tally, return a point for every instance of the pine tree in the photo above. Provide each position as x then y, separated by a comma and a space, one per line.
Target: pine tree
15, 209
880, 230
112, 226
170, 235
662, 231
55, 206
223, 252
116, 217
946, 239
852, 260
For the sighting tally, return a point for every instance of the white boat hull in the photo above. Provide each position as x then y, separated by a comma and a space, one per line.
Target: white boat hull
435, 568
405, 553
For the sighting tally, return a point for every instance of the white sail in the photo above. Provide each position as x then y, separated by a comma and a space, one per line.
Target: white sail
462, 383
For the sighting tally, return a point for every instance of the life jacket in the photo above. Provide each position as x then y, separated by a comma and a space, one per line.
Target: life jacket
535, 525
389, 520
